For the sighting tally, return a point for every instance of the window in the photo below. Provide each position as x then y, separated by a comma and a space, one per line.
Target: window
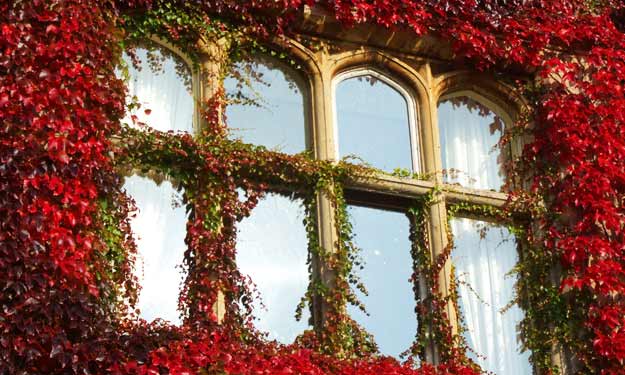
159, 229
470, 134
272, 250
387, 270
159, 89
267, 105
484, 254
385, 115
375, 121
159, 97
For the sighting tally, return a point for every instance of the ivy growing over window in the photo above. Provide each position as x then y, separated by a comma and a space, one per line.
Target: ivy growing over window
66, 251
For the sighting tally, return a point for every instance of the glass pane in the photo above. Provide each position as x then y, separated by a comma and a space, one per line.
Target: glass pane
373, 124
469, 136
482, 257
166, 100
159, 229
383, 238
272, 248
275, 118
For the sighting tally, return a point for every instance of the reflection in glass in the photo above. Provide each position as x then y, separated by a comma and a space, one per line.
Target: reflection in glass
469, 136
383, 238
159, 229
484, 254
166, 101
373, 123
272, 249
275, 118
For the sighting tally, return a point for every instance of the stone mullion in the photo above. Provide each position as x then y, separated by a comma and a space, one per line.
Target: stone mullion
206, 83
208, 78
323, 143
438, 240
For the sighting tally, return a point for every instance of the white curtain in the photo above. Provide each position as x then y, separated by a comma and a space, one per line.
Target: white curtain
166, 103
483, 256
159, 229
469, 146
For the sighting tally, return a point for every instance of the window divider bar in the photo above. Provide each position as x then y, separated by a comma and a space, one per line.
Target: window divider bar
413, 188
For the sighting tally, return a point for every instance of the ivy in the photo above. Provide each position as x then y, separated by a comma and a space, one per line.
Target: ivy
66, 252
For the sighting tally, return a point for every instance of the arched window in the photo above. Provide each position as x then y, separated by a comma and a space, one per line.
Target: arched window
396, 213
484, 252
375, 121
159, 89
272, 249
469, 138
159, 229
267, 105
159, 96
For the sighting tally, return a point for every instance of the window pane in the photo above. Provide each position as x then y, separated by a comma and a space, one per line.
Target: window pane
383, 238
276, 118
482, 257
272, 248
159, 229
469, 136
166, 100
373, 123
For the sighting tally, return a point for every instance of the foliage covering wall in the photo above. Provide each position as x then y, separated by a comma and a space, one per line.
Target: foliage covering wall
65, 245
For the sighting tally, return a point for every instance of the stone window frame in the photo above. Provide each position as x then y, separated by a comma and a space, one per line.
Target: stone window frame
413, 78
422, 91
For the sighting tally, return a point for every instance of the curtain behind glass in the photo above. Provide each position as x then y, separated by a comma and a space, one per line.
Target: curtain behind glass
482, 257
272, 249
166, 102
373, 123
469, 136
383, 237
276, 118
159, 229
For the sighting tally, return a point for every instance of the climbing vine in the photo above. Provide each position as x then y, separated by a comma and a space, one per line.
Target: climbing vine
66, 252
